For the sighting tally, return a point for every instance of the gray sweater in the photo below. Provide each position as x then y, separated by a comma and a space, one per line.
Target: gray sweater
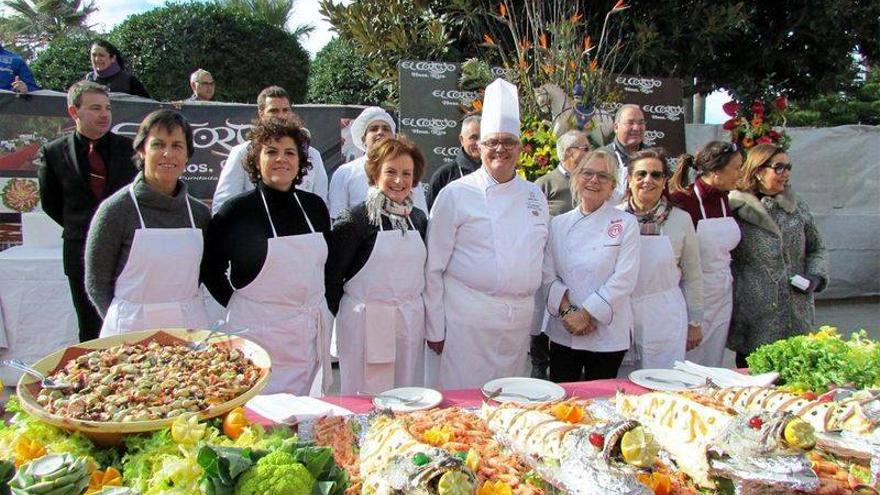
112, 232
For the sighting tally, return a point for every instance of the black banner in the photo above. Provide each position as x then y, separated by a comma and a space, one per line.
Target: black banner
430, 113
28, 122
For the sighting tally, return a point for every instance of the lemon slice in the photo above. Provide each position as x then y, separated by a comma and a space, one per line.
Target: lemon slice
472, 460
187, 430
800, 434
639, 448
454, 483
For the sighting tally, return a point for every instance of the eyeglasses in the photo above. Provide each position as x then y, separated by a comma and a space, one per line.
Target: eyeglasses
507, 144
655, 174
779, 168
584, 147
589, 175
729, 148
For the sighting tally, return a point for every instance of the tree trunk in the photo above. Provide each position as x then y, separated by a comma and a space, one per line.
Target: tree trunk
699, 109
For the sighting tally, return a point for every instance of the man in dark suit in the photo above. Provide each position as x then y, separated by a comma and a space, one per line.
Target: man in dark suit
76, 172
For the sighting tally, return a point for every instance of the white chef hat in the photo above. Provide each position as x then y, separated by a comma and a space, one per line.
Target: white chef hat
500, 109
360, 124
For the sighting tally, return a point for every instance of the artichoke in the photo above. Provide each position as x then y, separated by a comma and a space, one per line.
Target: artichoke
53, 475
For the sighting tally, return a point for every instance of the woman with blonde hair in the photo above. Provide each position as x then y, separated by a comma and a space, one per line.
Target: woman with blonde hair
591, 264
780, 262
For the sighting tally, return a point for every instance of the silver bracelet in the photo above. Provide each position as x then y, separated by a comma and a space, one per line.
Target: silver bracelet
570, 309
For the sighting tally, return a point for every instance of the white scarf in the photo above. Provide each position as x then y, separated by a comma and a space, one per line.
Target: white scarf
398, 213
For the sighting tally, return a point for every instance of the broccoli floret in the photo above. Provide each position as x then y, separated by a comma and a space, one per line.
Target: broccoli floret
276, 474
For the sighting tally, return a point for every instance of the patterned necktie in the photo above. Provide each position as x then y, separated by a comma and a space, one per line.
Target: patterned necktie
97, 171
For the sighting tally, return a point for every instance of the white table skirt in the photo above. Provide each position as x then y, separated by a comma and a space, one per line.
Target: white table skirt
36, 311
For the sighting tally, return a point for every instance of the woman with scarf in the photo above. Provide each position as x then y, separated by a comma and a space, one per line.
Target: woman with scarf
668, 298
108, 68
273, 240
377, 275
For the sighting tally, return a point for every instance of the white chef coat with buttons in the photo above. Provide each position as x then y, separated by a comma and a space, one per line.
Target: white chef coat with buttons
595, 257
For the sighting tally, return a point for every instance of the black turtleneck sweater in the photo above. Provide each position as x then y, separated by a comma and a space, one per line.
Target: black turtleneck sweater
238, 235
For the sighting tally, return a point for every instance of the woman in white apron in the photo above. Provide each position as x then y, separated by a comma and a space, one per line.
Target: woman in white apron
272, 240
145, 242
668, 298
377, 276
717, 166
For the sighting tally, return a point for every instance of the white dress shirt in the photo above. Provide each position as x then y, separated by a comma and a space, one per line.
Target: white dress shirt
234, 180
595, 257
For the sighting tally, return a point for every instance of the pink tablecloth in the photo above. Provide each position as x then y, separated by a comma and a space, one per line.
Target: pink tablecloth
473, 398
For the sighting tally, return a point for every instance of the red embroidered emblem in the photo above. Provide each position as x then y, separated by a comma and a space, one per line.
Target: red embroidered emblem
615, 229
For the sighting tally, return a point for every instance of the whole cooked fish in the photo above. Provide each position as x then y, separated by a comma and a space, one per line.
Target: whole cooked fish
564, 454
847, 427
392, 462
709, 441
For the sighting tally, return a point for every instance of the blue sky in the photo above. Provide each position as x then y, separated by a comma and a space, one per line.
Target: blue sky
112, 12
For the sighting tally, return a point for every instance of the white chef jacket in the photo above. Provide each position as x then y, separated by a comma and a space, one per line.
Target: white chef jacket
478, 236
234, 180
596, 258
349, 186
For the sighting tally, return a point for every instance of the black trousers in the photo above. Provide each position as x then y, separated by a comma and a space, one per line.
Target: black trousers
539, 354
573, 365
74, 267
741, 360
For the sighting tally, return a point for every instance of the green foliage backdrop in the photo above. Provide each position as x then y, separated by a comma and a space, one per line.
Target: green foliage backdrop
338, 76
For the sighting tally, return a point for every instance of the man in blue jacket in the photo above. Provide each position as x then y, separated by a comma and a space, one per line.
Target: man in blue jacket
14, 73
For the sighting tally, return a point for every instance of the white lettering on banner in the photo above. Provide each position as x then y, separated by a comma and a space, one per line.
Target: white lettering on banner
434, 70
453, 98
446, 151
642, 84
226, 137
424, 125
611, 107
665, 112
652, 136
502, 72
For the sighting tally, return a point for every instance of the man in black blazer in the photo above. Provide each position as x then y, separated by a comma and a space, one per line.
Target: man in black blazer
77, 171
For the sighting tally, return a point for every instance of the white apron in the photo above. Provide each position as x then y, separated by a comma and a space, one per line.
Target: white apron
159, 285
659, 308
381, 318
487, 337
718, 237
285, 309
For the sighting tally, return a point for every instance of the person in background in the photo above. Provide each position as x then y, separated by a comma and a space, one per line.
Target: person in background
108, 68
272, 102
348, 184
485, 241
265, 260
76, 172
556, 186
202, 84
377, 255
781, 260
668, 298
145, 242
467, 159
717, 166
629, 137
14, 73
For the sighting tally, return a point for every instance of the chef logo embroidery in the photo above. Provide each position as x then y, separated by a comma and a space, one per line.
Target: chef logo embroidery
615, 229
534, 204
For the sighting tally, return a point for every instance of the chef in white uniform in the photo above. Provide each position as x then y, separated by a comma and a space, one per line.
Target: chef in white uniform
349, 183
668, 298
486, 238
271, 102
591, 266
377, 257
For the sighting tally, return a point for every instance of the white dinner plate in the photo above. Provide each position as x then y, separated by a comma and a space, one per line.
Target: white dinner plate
523, 390
428, 398
667, 380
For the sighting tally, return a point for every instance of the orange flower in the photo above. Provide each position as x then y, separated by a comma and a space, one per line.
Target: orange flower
502, 9
620, 5
477, 105
757, 121
100, 479
576, 17
488, 40
549, 69
525, 44
594, 65
27, 450
572, 65
568, 413
588, 44
542, 40
523, 65
748, 142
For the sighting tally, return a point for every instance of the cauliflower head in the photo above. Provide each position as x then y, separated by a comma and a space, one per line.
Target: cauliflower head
276, 474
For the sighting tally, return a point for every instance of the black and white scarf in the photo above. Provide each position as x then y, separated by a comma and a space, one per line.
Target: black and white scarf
398, 213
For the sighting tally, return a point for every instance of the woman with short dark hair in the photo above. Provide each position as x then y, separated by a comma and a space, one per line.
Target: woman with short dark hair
145, 242
377, 275
108, 68
273, 242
